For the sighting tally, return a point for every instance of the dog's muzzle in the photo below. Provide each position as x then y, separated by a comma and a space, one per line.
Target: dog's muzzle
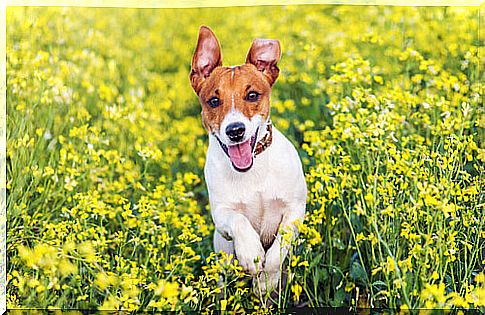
241, 154
246, 151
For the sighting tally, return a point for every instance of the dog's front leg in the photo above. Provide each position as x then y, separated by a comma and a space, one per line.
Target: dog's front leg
276, 254
247, 245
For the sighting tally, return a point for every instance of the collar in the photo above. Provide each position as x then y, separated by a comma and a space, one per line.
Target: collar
266, 141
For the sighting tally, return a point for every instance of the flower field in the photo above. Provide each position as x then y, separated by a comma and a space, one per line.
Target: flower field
106, 201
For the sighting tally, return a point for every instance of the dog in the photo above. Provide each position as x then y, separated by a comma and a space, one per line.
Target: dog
254, 176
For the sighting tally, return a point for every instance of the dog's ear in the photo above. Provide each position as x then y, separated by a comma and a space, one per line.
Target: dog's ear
207, 57
265, 54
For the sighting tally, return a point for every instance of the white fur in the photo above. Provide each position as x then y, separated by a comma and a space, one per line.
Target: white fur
249, 208
251, 125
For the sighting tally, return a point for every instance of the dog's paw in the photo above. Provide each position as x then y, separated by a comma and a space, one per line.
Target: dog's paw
266, 282
273, 259
250, 254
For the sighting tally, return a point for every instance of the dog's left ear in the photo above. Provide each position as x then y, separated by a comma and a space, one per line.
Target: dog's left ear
265, 54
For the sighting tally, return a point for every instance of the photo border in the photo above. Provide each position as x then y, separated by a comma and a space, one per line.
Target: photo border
149, 4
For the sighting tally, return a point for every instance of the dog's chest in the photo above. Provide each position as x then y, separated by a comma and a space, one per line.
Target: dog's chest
265, 215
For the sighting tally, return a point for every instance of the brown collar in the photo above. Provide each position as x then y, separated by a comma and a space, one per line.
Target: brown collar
266, 141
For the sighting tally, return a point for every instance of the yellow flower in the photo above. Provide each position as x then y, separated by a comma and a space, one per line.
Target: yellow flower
360, 236
166, 289
296, 289
102, 281
67, 268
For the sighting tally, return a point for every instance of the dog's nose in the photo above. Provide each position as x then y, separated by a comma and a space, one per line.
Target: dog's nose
235, 131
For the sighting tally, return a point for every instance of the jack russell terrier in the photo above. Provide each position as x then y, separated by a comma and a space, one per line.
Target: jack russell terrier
254, 176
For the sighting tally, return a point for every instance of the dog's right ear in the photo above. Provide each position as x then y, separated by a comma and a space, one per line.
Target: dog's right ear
207, 57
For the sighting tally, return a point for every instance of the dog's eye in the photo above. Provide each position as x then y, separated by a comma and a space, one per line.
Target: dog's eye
252, 96
214, 102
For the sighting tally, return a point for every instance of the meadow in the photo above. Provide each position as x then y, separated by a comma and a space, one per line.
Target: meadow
106, 201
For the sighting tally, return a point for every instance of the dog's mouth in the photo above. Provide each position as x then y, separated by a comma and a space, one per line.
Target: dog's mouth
241, 154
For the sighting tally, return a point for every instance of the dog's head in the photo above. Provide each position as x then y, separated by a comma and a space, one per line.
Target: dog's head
235, 100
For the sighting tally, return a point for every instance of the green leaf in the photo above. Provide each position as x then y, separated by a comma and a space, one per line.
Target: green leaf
339, 298
357, 273
379, 283
315, 260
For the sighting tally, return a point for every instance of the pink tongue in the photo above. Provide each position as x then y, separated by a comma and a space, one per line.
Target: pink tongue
240, 154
